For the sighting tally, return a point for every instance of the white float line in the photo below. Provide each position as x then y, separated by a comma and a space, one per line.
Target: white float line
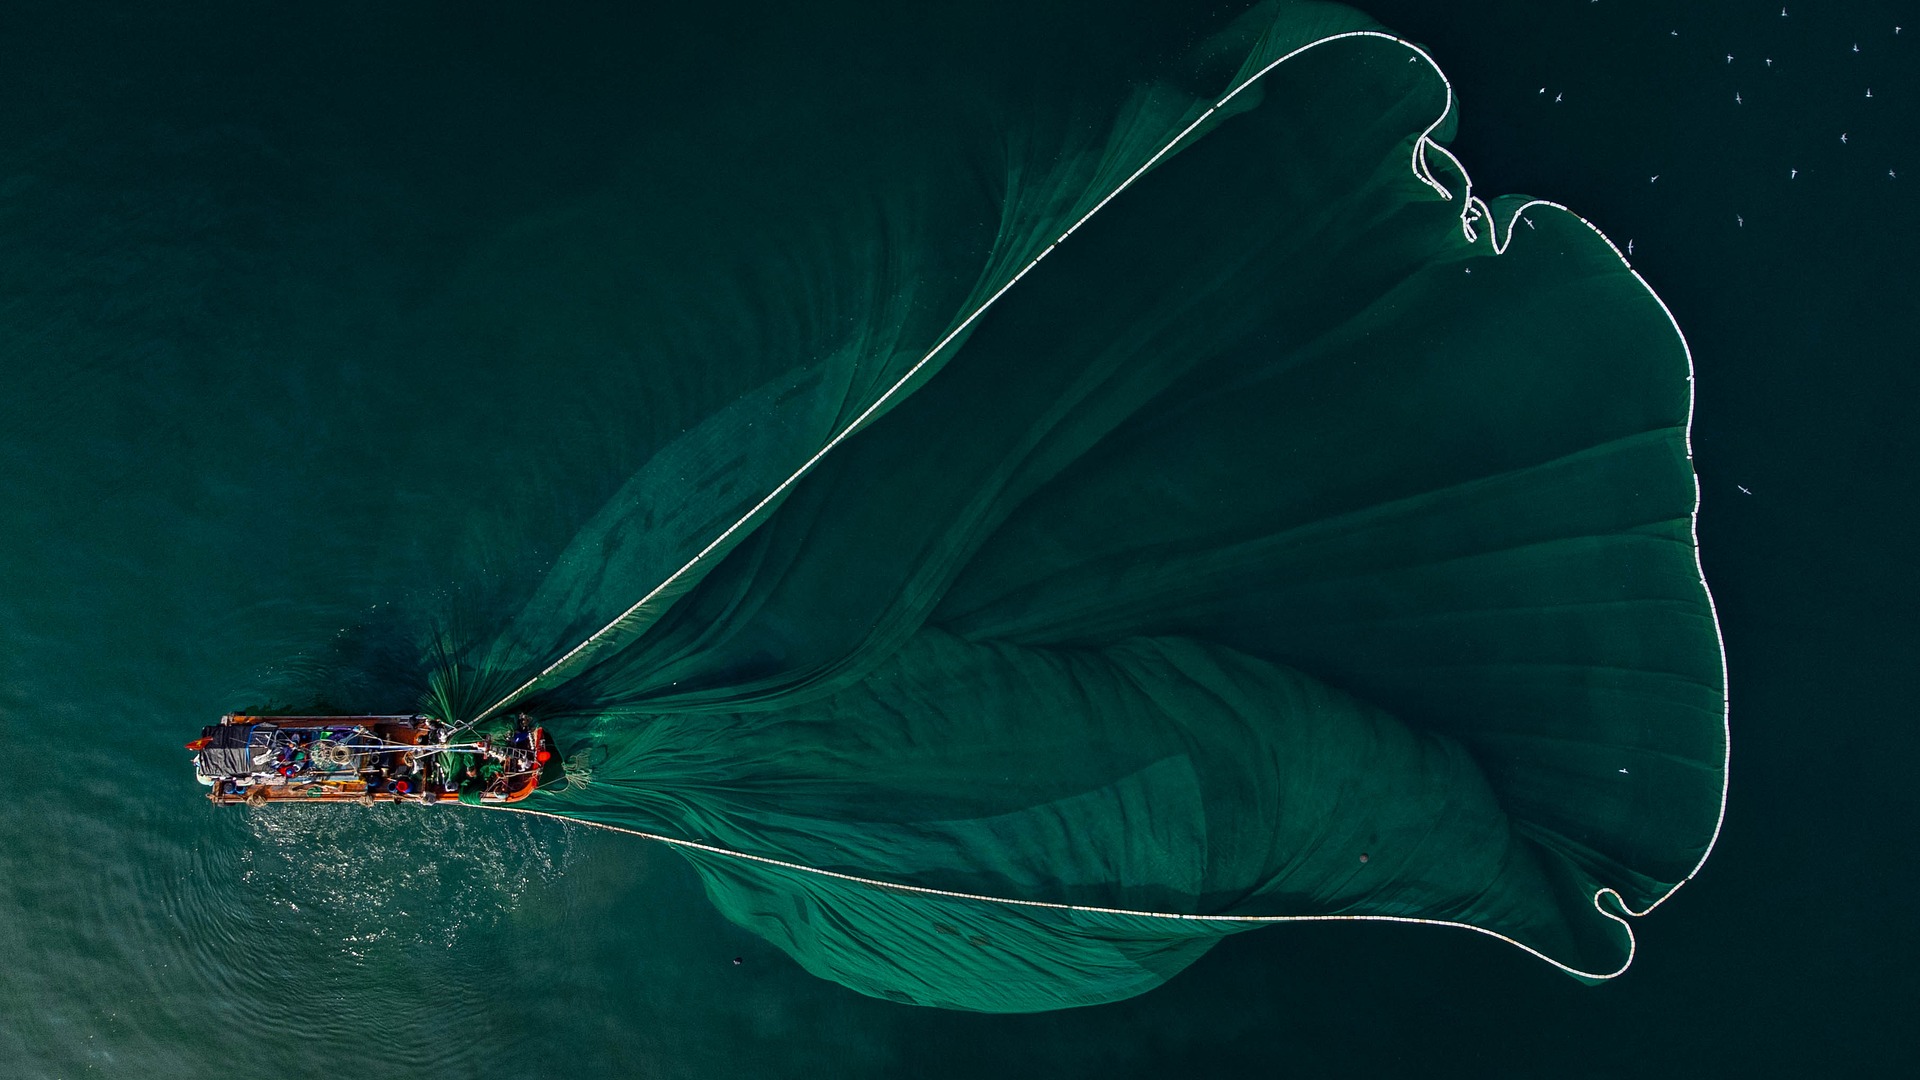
1473, 208
1049, 905
771, 496
1418, 166
1726, 698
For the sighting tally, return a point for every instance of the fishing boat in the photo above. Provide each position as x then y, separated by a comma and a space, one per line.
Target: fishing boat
366, 759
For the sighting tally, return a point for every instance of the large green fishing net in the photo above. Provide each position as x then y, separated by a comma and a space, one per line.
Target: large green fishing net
1300, 536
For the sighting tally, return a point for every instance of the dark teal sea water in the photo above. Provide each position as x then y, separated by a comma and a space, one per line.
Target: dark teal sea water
313, 325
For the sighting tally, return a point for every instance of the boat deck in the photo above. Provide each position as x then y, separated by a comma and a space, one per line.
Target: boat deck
256, 760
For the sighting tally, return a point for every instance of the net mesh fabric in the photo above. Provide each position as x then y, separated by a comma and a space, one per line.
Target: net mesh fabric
1272, 548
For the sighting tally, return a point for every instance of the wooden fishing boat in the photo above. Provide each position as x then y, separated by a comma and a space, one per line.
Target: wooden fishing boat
366, 759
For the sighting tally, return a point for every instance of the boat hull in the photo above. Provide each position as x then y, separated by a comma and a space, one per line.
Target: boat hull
261, 760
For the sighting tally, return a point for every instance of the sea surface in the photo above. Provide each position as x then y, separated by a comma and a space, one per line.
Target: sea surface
312, 324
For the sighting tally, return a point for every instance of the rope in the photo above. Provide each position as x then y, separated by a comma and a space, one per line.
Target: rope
1054, 905
1420, 170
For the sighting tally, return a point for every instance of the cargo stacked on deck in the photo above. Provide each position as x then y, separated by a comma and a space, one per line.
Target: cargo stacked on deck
365, 759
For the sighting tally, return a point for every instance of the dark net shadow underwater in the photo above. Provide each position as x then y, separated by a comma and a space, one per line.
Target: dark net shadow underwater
1228, 520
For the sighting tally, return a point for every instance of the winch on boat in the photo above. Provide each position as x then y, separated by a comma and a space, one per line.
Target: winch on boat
367, 759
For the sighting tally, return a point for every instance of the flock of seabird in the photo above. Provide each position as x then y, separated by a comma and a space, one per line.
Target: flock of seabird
1793, 173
